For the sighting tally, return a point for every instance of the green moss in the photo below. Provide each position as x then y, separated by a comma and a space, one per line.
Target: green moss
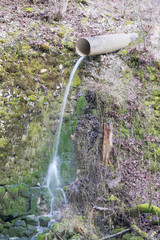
13, 207
3, 143
127, 73
144, 208
81, 103
13, 190
2, 113
158, 64
32, 98
28, 9
113, 198
2, 40
82, 1
137, 238
35, 194
77, 236
127, 22
24, 190
124, 132
139, 231
69, 45
2, 192
127, 236
117, 230
1, 227
44, 48
41, 236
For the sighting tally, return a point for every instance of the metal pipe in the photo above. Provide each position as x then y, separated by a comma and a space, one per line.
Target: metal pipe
104, 44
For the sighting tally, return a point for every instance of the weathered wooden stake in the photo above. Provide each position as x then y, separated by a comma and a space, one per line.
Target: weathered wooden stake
107, 142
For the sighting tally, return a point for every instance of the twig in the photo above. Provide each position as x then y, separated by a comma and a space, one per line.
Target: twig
102, 208
117, 234
58, 236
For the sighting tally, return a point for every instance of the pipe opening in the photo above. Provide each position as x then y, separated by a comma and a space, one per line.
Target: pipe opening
83, 47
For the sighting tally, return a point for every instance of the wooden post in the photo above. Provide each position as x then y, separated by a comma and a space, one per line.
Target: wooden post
107, 142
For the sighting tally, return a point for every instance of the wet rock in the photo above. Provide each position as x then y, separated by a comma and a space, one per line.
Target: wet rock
2, 237
13, 205
31, 230
24, 190
14, 238
31, 220
44, 220
16, 231
2, 192
20, 223
35, 196
1, 227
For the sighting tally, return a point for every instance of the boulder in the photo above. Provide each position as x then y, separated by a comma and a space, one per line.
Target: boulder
44, 220
31, 220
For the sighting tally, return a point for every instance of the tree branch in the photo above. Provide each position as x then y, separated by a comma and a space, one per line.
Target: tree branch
102, 208
117, 234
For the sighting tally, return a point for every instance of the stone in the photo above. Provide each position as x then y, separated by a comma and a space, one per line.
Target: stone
2, 192
35, 195
16, 231
14, 238
43, 70
24, 190
7, 224
12, 190
13, 205
1, 227
31, 230
31, 220
44, 220
20, 223
2, 237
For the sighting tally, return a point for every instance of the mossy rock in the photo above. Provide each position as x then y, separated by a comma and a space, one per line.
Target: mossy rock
44, 220
28, 9
32, 98
24, 190
2, 192
35, 194
13, 190
20, 222
44, 48
12, 208
31, 220
77, 237
41, 236
31, 230
127, 236
1, 227
16, 231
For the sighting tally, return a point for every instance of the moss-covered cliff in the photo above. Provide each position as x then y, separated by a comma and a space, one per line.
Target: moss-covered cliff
37, 49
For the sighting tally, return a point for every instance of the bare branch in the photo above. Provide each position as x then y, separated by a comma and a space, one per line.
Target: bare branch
116, 234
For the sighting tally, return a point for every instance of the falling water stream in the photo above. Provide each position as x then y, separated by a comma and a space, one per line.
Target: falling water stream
53, 178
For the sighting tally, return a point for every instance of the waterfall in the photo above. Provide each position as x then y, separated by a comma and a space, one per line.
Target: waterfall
53, 178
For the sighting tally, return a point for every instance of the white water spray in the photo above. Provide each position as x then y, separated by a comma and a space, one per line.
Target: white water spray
53, 176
